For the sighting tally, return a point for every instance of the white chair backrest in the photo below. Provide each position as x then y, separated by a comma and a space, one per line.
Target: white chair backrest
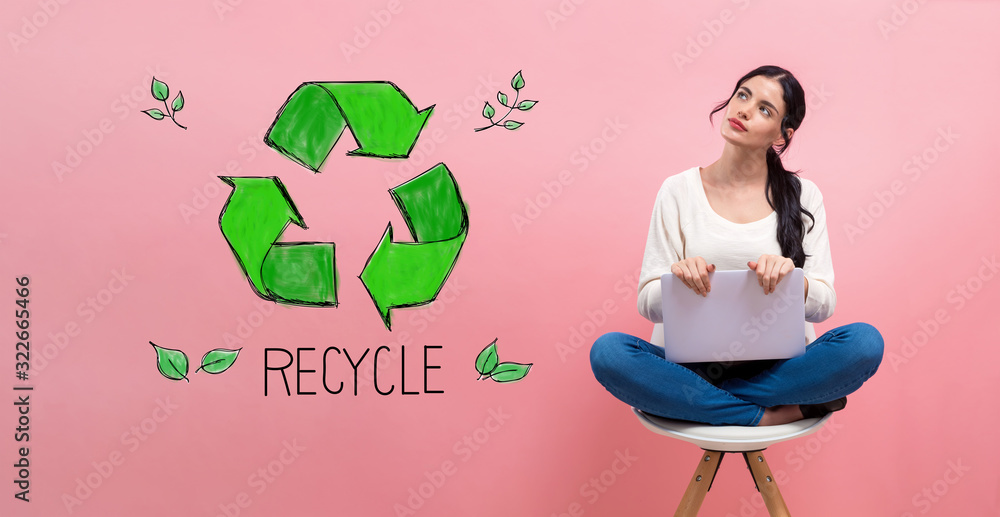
657, 337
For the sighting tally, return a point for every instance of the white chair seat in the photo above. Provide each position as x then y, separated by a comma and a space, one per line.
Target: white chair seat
730, 438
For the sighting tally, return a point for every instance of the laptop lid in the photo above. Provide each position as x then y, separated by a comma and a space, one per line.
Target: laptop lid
736, 321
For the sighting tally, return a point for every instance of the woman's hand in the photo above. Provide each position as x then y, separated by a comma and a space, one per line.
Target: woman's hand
694, 272
770, 270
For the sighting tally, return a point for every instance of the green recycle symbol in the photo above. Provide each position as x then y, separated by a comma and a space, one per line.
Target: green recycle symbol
397, 274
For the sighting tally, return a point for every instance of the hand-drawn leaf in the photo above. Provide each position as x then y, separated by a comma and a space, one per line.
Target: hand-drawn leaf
487, 360
512, 124
218, 360
502, 97
526, 105
488, 111
160, 90
517, 82
178, 103
155, 113
510, 372
173, 364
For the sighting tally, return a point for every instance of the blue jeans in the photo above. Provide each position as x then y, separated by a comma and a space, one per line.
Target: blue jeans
735, 393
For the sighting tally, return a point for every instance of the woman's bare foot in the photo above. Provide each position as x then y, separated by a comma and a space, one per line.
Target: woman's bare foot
778, 415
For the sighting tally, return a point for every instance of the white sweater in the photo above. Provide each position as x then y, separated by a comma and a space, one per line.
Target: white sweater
685, 225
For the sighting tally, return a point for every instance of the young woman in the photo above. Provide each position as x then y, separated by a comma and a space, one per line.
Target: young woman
742, 211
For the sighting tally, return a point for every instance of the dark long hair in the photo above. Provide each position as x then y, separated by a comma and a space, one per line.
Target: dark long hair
784, 184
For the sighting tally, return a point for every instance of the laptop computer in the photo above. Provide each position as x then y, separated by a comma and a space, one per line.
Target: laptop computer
736, 321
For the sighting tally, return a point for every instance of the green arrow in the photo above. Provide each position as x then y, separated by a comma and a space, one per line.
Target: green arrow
407, 274
380, 116
252, 220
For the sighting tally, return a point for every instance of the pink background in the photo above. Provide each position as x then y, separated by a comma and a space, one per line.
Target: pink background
913, 441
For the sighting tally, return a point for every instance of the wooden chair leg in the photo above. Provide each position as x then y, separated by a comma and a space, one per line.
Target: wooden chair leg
700, 483
766, 484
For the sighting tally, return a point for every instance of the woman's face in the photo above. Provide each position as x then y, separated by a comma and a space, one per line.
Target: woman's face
758, 107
